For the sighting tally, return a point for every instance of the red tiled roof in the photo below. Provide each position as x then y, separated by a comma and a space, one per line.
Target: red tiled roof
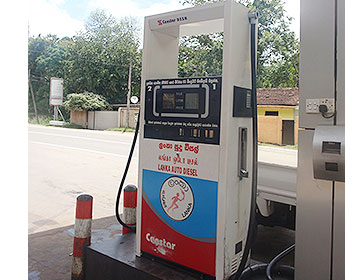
277, 96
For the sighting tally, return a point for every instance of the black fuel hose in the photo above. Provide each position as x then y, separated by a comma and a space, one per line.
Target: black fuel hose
252, 221
258, 271
276, 259
132, 228
263, 270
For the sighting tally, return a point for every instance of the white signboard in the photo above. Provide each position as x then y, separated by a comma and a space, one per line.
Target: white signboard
56, 91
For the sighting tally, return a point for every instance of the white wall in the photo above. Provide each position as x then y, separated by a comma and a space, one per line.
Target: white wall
102, 119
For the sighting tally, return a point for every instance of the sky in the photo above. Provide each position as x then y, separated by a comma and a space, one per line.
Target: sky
66, 17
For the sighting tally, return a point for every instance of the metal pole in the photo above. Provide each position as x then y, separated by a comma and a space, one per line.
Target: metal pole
33, 98
60, 113
55, 113
129, 92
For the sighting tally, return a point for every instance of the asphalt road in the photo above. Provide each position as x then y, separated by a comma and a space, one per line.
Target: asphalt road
64, 163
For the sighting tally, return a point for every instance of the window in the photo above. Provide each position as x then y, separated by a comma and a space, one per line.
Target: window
271, 113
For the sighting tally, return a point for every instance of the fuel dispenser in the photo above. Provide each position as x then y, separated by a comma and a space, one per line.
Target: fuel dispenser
197, 149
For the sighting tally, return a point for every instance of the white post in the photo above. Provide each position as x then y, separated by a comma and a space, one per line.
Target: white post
129, 92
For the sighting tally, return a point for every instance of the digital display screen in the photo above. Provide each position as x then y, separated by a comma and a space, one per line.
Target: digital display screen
168, 100
192, 101
180, 101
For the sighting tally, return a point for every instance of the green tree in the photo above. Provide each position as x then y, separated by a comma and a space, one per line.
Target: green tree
277, 48
99, 57
47, 56
95, 60
200, 55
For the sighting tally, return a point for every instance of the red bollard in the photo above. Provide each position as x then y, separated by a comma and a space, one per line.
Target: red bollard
129, 207
82, 236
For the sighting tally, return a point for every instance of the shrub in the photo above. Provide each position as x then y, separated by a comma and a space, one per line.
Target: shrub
85, 101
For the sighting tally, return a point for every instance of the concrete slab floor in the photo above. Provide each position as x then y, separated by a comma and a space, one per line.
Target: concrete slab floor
50, 251
270, 241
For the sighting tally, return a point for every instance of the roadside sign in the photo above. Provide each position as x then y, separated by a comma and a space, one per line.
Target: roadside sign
56, 91
134, 99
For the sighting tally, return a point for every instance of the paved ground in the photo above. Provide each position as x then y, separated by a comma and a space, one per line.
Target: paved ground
278, 155
50, 251
64, 163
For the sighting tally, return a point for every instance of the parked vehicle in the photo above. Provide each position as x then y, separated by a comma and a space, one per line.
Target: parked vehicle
276, 190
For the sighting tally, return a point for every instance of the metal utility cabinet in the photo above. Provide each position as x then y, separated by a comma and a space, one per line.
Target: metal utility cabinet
320, 174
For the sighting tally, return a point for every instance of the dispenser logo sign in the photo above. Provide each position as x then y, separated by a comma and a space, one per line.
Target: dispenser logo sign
171, 20
176, 198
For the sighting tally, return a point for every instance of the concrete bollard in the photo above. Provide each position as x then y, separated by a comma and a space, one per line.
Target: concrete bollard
129, 206
82, 238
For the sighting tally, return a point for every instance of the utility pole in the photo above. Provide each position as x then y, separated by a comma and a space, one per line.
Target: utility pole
33, 98
129, 92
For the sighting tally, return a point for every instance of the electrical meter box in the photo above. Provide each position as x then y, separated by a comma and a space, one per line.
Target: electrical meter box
195, 145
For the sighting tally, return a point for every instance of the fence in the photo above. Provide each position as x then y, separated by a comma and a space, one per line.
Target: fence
102, 119
270, 128
122, 115
105, 119
79, 117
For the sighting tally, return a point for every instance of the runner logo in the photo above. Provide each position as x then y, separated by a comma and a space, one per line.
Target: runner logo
177, 198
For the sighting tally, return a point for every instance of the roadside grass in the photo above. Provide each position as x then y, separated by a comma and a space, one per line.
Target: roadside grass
292, 147
121, 129
73, 125
43, 119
